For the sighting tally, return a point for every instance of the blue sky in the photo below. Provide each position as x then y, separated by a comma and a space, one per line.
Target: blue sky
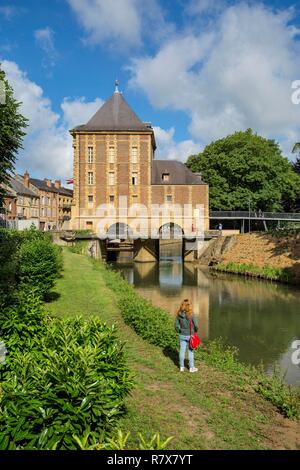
197, 69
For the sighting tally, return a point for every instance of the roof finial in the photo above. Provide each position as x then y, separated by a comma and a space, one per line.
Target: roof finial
117, 86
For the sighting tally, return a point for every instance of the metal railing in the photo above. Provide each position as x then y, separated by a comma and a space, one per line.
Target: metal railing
257, 215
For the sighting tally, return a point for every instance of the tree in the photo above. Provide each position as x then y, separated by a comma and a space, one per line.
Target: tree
12, 126
244, 167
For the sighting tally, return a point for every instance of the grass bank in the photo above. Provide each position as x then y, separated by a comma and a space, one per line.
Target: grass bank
213, 409
270, 273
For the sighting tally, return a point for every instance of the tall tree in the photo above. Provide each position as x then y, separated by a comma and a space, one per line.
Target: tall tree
243, 168
12, 131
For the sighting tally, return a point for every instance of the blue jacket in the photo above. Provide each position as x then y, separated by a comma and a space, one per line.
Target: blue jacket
182, 324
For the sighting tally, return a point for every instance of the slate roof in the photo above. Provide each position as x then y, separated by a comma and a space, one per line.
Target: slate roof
41, 184
115, 115
20, 188
179, 173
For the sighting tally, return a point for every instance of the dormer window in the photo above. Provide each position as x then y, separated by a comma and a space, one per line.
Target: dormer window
166, 177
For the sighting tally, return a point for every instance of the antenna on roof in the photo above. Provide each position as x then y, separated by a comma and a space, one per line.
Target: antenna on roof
117, 86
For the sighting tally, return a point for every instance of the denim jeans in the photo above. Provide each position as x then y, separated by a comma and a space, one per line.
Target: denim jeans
185, 342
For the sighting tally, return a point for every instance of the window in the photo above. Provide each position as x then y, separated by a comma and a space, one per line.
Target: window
134, 155
90, 155
90, 177
169, 198
166, 177
111, 155
90, 199
111, 179
89, 225
134, 179
134, 199
111, 199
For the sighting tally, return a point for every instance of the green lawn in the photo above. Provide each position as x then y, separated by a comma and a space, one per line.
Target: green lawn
207, 410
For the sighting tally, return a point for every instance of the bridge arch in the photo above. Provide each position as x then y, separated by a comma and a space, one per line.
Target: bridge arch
120, 231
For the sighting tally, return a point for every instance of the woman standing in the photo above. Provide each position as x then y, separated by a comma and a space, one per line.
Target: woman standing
186, 325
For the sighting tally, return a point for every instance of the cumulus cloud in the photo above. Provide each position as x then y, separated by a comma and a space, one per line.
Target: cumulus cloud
79, 111
123, 23
47, 145
169, 149
231, 76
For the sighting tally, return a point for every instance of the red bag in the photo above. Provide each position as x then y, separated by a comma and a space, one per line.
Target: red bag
195, 341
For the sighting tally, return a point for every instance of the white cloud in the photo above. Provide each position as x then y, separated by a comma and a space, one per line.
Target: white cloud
233, 75
45, 39
120, 23
78, 111
169, 149
47, 145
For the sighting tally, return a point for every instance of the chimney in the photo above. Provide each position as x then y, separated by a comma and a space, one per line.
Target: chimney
57, 184
48, 182
26, 179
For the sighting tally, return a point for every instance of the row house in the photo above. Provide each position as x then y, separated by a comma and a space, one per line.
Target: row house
41, 202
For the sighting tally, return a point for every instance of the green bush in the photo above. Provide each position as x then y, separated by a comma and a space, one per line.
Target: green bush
21, 324
74, 379
79, 247
40, 263
10, 244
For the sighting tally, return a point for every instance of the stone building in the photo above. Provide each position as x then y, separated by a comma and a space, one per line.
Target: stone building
23, 202
54, 201
114, 156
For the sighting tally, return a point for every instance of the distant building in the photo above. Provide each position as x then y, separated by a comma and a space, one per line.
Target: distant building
54, 202
45, 204
23, 203
114, 155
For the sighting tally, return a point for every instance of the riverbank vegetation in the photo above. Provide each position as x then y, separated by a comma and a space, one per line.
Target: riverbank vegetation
216, 408
265, 272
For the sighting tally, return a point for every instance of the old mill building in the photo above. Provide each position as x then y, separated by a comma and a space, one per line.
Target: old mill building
114, 155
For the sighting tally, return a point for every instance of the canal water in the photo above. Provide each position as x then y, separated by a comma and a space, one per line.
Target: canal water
260, 318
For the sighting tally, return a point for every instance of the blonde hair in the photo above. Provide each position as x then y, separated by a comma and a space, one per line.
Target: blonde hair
186, 306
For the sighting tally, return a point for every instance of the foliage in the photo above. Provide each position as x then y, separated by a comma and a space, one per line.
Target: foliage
155, 325
266, 272
12, 132
120, 442
72, 379
245, 167
40, 262
275, 391
79, 247
10, 245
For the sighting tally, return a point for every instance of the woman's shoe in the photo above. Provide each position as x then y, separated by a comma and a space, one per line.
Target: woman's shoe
193, 369
181, 369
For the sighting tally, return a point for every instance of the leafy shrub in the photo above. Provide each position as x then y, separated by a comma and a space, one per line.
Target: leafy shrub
21, 323
40, 263
74, 379
120, 442
10, 244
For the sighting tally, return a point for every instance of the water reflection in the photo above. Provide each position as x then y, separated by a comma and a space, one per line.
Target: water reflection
259, 318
